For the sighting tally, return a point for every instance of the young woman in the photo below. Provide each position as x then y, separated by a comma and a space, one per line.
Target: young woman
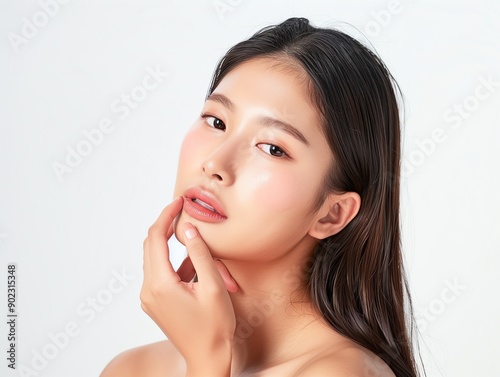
287, 200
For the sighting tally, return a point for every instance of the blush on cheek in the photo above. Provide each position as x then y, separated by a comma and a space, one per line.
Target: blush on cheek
278, 191
190, 144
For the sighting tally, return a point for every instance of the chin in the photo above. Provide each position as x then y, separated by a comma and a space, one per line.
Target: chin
212, 247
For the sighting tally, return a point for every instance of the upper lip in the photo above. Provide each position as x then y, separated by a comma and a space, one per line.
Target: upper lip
206, 196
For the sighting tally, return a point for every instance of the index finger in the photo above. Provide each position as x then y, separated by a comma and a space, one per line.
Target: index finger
158, 235
201, 258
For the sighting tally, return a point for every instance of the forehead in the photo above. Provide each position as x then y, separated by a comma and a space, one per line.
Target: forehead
273, 85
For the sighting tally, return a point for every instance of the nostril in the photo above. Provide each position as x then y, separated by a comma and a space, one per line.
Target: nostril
209, 170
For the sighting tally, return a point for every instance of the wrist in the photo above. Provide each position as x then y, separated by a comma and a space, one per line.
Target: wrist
216, 364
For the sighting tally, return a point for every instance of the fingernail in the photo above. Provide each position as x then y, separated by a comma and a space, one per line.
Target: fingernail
190, 232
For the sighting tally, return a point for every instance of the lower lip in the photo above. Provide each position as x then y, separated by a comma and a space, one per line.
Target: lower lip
201, 213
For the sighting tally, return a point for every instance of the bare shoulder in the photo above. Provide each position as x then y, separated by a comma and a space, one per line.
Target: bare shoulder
353, 361
152, 360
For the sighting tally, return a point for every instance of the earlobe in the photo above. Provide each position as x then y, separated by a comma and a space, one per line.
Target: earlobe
336, 212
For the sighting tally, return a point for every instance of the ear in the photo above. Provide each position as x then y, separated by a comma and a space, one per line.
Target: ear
335, 213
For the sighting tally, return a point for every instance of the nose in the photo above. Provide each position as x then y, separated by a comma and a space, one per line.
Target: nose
219, 165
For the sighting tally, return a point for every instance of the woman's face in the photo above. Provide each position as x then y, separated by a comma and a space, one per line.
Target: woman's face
251, 167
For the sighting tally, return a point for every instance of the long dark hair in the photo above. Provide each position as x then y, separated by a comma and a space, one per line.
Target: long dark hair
356, 279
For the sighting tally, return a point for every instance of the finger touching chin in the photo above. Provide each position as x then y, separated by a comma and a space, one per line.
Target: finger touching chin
179, 234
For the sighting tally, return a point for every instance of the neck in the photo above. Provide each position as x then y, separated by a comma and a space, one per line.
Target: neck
272, 308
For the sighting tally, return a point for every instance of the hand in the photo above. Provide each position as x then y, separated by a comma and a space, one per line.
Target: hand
197, 317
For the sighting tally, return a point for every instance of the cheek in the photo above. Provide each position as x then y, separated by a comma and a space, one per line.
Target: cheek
188, 159
277, 191
191, 143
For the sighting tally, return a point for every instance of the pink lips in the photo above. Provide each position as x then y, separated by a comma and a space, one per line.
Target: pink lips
202, 205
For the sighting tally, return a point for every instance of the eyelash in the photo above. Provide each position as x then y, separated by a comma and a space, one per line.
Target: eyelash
282, 153
205, 117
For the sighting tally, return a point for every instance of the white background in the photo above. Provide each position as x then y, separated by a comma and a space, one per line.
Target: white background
67, 237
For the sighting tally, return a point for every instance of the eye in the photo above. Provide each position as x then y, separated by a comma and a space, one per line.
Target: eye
272, 149
214, 122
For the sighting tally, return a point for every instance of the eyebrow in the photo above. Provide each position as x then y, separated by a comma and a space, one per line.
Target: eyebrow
264, 120
222, 99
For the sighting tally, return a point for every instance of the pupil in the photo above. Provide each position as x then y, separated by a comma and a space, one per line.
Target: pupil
275, 150
218, 124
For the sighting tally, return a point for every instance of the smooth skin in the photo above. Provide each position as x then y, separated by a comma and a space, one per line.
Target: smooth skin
248, 313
